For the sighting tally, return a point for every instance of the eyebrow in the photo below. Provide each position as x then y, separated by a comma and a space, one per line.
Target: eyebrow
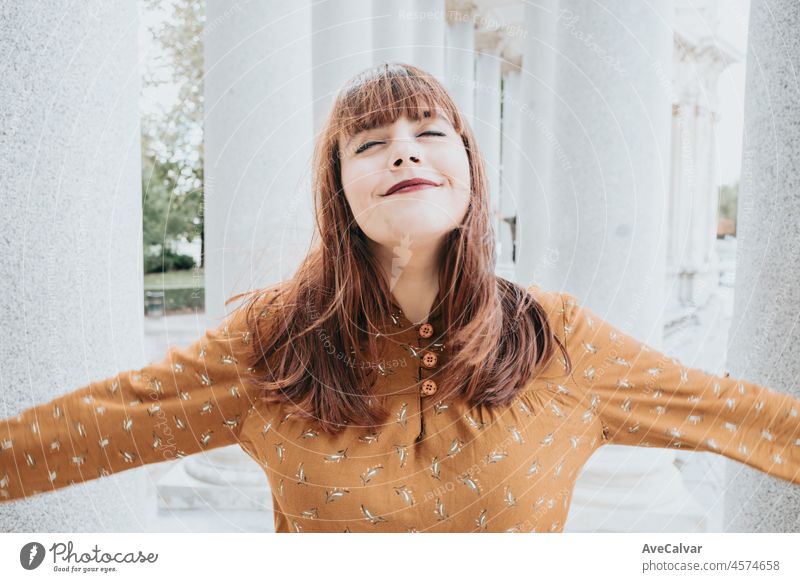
438, 113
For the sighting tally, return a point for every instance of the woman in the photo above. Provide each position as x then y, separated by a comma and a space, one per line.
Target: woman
395, 383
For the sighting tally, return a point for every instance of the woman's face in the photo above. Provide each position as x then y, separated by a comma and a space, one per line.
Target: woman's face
375, 160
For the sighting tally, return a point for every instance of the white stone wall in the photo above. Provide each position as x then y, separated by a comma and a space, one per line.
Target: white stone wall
70, 230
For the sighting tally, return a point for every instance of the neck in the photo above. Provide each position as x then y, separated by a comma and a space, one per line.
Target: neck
413, 277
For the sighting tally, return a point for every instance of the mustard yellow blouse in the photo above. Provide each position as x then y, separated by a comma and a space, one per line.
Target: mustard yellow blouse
436, 466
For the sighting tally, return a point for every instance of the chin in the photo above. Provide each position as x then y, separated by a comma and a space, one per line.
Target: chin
418, 231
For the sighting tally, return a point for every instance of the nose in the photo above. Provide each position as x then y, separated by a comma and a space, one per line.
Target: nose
413, 159
402, 150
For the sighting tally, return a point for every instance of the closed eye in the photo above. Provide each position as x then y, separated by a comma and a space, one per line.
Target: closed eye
369, 144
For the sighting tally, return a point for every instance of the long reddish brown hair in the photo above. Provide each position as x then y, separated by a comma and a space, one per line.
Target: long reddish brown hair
499, 335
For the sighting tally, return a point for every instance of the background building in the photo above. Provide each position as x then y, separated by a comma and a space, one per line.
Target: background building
605, 141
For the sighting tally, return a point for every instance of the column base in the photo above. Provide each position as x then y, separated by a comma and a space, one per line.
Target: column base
673, 519
179, 489
630, 489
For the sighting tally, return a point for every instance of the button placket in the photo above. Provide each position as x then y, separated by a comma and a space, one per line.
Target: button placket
429, 361
429, 364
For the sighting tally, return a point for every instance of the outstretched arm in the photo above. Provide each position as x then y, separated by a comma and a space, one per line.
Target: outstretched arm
642, 397
194, 400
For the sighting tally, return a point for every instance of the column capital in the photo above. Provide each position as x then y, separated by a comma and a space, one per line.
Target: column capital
512, 63
697, 65
458, 11
707, 51
490, 42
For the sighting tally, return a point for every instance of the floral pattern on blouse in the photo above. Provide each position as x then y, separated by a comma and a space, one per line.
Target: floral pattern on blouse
436, 465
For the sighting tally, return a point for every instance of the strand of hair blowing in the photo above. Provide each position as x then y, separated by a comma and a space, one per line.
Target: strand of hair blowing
307, 331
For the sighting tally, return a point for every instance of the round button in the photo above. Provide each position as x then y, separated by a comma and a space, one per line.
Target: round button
428, 388
425, 330
429, 360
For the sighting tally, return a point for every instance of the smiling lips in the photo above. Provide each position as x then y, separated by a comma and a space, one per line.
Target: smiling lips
410, 185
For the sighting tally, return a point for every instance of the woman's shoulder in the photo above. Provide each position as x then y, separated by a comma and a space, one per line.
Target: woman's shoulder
553, 302
251, 306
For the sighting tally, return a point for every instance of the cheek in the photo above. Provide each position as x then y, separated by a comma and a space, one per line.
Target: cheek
465, 171
462, 186
353, 183
455, 163
358, 187
347, 177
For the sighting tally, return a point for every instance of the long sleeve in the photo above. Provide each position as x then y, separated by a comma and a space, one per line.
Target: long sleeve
194, 400
645, 398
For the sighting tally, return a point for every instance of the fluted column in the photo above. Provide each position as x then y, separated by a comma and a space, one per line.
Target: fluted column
538, 146
510, 187
258, 219
430, 34
393, 31
606, 205
460, 58
341, 46
694, 199
258, 132
765, 347
71, 245
488, 99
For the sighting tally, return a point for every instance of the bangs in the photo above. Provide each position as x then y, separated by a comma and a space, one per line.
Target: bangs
383, 94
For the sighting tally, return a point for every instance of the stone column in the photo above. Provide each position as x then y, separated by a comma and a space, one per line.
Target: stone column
766, 346
510, 187
258, 142
393, 31
430, 34
692, 264
538, 146
258, 139
488, 98
341, 46
606, 208
71, 245
460, 71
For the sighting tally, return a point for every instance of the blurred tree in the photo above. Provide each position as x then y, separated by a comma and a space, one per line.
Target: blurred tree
728, 203
172, 139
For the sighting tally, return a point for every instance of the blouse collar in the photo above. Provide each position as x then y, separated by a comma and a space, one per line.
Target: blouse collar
433, 317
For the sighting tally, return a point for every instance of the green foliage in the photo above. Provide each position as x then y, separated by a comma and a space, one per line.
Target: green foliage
728, 200
172, 145
167, 261
167, 216
193, 279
